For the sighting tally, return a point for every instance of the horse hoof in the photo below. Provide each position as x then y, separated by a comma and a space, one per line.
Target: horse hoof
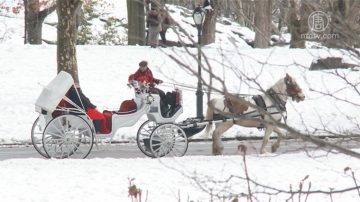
267, 154
217, 153
274, 148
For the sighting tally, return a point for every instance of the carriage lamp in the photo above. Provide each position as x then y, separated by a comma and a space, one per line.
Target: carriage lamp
198, 16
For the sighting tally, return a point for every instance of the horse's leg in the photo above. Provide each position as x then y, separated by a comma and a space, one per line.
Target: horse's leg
268, 131
276, 145
218, 147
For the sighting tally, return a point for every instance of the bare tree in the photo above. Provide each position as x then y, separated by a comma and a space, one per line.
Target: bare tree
298, 23
280, 12
243, 11
227, 10
263, 22
136, 22
253, 189
345, 18
209, 27
34, 18
66, 37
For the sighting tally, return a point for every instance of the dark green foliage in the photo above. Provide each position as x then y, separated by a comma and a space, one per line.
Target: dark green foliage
92, 17
85, 35
111, 35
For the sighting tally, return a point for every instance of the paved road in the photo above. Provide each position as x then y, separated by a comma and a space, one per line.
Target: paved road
130, 150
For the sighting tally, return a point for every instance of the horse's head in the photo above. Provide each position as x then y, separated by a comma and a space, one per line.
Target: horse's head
293, 90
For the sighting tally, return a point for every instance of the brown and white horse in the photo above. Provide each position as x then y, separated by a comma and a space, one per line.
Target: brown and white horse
261, 111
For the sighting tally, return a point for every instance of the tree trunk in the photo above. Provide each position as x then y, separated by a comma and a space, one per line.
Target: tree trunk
263, 16
193, 5
66, 37
227, 8
284, 11
26, 11
344, 23
298, 23
209, 27
244, 11
136, 22
34, 19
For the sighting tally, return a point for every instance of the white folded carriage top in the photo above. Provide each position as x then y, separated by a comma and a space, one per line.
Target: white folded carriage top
53, 93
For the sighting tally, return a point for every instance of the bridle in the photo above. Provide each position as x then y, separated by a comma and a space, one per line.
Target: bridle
292, 89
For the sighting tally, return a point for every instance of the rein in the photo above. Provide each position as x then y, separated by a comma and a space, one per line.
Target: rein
278, 102
274, 96
194, 89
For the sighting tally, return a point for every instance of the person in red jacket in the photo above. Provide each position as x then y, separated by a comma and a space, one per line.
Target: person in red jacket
144, 74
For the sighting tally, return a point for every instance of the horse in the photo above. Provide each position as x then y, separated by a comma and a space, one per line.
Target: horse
261, 111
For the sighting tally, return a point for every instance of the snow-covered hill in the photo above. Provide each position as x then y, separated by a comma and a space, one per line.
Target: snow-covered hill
228, 34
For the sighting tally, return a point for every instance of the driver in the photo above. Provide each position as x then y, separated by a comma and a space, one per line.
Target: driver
144, 75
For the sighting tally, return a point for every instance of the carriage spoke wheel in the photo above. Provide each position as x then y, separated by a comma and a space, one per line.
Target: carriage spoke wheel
168, 140
68, 136
143, 137
37, 130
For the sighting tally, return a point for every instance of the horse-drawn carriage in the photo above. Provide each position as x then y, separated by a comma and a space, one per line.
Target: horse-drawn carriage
66, 131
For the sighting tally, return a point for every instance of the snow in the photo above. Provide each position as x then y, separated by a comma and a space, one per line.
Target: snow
103, 72
173, 179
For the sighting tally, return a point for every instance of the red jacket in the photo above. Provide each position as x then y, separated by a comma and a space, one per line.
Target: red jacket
145, 76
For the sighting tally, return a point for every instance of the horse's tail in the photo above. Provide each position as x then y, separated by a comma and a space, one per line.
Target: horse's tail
209, 116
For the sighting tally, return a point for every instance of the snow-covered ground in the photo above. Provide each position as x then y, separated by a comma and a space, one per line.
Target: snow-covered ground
175, 179
103, 72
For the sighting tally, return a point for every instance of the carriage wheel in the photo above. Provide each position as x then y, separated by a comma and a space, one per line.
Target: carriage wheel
36, 137
68, 136
168, 139
143, 137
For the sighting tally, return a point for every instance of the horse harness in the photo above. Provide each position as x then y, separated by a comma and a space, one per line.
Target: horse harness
277, 101
259, 101
228, 104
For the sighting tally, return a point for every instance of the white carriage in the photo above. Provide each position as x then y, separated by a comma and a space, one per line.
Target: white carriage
70, 133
